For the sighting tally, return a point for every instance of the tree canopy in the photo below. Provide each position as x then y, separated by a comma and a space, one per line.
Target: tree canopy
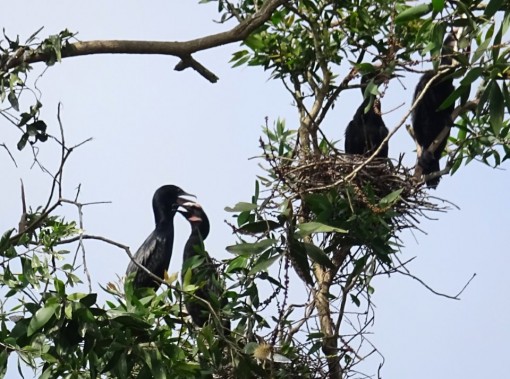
319, 222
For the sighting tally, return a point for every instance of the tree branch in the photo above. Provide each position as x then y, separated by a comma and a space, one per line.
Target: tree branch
182, 49
188, 61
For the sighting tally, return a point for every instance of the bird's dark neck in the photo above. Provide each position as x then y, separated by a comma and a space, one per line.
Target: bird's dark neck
199, 232
163, 215
195, 242
200, 229
370, 113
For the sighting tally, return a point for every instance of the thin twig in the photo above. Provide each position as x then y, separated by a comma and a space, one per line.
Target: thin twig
10, 155
454, 297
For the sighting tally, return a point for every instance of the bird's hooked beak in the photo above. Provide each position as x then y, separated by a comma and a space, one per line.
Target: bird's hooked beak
189, 212
181, 201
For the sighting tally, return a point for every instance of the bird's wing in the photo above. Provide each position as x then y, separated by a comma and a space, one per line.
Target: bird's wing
144, 253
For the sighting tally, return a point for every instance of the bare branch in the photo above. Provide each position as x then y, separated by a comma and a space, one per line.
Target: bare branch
56, 185
182, 49
116, 244
9, 152
188, 61
454, 297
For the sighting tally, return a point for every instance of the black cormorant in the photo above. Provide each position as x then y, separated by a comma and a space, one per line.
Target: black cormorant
202, 272
156, 251
428, 120
366, 131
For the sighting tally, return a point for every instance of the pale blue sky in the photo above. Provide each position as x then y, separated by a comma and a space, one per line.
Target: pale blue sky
153, 126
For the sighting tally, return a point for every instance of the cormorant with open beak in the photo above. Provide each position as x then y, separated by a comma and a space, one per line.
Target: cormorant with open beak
156, 251
199, 270
366, 131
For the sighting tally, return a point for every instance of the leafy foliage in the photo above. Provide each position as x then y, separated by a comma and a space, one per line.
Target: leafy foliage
332, 219
13, 75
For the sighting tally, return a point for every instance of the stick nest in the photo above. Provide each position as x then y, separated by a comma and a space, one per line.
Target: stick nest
367, 186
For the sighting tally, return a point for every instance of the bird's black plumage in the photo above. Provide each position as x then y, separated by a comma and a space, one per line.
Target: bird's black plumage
428, 119
202, 271
367, 130
156, 251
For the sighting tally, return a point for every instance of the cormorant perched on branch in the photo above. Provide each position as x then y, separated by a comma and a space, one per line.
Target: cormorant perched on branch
202, 271
428, 119
366, 131
156, 251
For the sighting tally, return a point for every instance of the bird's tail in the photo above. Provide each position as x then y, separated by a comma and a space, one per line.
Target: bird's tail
429, 164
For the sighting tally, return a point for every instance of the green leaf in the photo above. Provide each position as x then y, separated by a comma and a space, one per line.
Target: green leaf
237, 263
312, 336
77, 296
315, 347
471, 76
461, 135
191, 288
254, 41
25, 117
413, 13
40, 126
263, 264
41, 317
359, 265
482, 49
13, 80
132, 321
308, 228
245, 217
317, 255
23, 141
241, 61
13, 99
257, 192
438, 5
364, 67
59, 286
246, 248
391, 198
5, 241
259, 226
48, 373
453, 97
355, 300
493, 7
318, 203
4, 354
496, 109
242, 207
89, 300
